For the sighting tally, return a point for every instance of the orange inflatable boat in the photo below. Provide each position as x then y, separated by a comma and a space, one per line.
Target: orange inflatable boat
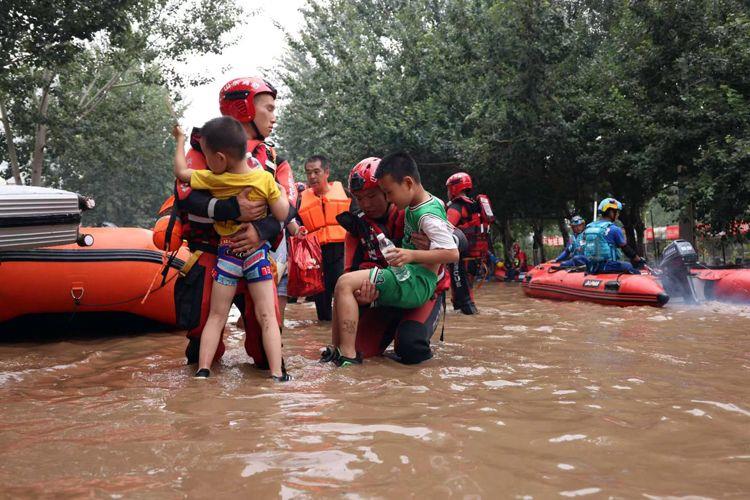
548, 281
112, 275
732, 285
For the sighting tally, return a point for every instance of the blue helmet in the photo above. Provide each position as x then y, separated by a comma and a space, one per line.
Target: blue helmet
608, 203
577, 220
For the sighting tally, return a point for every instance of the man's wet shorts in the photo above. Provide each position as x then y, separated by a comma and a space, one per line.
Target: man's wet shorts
253, 266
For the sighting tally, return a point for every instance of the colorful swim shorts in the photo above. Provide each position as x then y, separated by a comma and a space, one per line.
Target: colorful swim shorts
231, 267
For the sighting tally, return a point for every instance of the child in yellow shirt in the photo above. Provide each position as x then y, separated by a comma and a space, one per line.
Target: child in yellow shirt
224, 143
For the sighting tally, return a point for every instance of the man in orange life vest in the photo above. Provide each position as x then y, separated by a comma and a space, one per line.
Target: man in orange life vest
321, 203
252, 102
409, 329
474, 217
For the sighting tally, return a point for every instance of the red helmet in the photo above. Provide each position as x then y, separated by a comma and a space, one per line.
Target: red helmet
362, 175
458, 182
236, 97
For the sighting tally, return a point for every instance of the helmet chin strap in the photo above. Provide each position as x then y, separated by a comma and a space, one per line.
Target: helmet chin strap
257, 132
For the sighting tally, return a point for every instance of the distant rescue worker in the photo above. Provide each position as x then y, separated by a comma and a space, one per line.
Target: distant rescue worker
572, 254
604, 243
518, 263
321, 202
474, 217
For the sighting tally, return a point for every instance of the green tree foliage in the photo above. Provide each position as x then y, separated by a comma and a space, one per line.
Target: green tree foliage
48, 33
83, 93
547, 104
123, 158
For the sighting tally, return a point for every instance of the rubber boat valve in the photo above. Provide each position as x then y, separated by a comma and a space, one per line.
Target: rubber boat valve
85, 240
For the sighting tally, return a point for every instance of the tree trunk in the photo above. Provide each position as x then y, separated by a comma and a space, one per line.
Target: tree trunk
687, 220
640, 229
40, 136
687, 214
10, 145
539, 254
563, 230
627, 225
507, 241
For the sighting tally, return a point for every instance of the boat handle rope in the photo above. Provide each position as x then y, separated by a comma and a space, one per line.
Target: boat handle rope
77, 297
484, 273
137, 297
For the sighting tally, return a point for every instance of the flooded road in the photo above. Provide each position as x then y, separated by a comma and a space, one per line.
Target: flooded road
530, 399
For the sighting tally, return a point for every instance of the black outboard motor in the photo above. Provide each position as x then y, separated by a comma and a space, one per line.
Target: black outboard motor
675, 266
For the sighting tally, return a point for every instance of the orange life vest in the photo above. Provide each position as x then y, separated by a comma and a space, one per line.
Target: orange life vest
318, 213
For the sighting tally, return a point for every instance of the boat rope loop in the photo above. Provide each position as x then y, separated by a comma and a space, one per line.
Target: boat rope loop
121, 302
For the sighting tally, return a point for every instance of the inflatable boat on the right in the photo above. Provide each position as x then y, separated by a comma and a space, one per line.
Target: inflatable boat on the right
679, 275
730, 285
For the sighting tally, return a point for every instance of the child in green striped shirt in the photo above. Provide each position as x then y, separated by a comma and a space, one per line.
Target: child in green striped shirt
399, 179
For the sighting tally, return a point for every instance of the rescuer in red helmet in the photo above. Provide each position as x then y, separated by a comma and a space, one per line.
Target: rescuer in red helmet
252, 102
474, 217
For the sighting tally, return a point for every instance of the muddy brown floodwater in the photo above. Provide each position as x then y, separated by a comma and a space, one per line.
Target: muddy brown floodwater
530, 399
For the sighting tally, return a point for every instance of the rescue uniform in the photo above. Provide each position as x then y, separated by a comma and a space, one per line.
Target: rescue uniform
572, 255
466, 214
282, 173
318, 215
602, 242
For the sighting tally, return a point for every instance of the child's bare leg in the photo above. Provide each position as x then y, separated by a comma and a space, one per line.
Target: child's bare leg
346, 312
262, 293
335, 337
221, 301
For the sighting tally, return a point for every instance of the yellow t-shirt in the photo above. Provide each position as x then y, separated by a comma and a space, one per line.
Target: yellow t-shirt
226, 185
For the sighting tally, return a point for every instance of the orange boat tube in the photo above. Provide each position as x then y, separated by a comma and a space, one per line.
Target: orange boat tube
112, 275
731, 285
549, 281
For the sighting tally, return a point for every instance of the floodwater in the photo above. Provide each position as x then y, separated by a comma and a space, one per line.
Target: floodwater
530, 399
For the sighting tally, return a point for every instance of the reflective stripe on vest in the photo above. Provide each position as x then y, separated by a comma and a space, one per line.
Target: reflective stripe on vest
318, 214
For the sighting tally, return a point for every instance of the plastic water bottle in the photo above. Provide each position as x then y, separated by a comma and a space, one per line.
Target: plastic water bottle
386, 247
